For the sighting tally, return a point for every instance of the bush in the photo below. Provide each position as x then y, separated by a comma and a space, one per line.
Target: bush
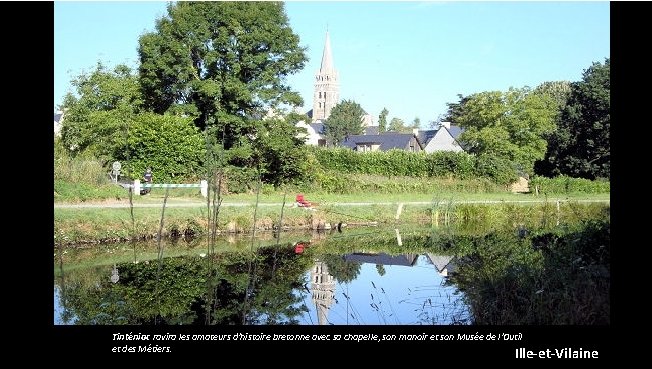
172, 146
397, 162
335, 182
499, 170
564, 185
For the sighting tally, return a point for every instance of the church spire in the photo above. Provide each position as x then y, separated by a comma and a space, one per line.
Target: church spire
327, 57
327, 86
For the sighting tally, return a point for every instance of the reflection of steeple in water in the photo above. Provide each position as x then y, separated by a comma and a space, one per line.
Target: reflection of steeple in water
323, 290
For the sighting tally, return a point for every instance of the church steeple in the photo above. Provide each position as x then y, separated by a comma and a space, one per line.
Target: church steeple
327, 57
327, 89
323, 290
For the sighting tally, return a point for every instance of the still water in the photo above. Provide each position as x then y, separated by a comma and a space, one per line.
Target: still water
358, 277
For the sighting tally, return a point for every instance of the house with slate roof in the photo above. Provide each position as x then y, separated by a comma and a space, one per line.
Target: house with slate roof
326, 96
444, 138
383, 142
381, 259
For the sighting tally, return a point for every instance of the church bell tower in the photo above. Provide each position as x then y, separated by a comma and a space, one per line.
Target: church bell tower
327, 86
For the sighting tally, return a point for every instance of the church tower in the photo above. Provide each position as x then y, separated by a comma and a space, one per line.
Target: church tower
323, 290
327, 86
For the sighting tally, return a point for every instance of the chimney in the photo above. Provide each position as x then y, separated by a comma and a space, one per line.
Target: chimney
415, 131
446, 124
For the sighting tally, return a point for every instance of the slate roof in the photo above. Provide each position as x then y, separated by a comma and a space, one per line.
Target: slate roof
455, 131
387, 141
426, 135
382, 259
57, 117
318, 127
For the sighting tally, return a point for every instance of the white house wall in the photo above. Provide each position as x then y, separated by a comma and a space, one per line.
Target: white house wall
313, 137
442, 141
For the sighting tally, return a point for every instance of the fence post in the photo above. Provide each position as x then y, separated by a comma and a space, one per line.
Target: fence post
137, 186
204, 187
399, 210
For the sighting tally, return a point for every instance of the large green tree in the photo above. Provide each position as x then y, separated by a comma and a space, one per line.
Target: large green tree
345, 120
99, 111
397, 125
512, 125
223, 63
581, 145
382, 120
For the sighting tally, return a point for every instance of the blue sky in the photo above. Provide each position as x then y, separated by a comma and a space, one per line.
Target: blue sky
410, 57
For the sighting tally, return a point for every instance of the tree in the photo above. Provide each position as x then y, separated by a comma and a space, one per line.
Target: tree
559, 91
345, 120
396, 125
416, 123
512, 125
343, 271
255, 289
281, 151
98, 114
581, 145
453, 111
222, 63
382, 120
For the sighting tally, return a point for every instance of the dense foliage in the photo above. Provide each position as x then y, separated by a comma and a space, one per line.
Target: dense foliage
580, 147
402, 163
545, 278
345, 120
382, 120
511, 125
172, 146
565, 184
229, 289
98, 114
223, 63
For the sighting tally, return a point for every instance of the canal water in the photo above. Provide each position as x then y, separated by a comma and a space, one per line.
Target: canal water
366, 276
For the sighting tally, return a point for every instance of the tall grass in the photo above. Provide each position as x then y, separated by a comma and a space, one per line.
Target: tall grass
79, 169
82, 178
565, 185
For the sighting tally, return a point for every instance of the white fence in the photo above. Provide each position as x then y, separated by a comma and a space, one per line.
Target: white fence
202, 185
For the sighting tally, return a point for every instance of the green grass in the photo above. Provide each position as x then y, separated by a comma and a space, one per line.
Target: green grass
65, 191
177, 196
76, 225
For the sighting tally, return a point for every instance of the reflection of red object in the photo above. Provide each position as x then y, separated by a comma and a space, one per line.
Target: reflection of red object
302, 202
298, 248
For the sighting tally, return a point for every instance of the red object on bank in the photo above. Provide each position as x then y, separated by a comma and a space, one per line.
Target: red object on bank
301, 201
298, 248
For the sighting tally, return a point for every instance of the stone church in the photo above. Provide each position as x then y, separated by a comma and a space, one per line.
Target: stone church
325, 96
327, 86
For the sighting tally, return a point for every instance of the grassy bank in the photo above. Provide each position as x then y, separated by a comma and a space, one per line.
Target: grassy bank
101, 225
358, 188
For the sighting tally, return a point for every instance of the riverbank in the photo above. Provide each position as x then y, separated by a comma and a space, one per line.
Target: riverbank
112, 221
